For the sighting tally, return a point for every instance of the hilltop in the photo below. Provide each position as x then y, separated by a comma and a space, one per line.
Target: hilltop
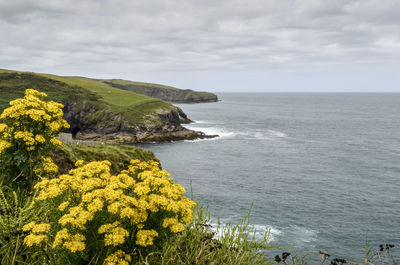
167, 93
98, 111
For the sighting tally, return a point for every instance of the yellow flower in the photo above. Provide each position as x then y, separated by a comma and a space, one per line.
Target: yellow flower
69, 241
63, 205
117, 258
145, 237
29, 226
4, 145
34, 239
107, 227
75, 243
116, 236
60, 237
131, 199
173, 225
41, 228
55, 141
35, 93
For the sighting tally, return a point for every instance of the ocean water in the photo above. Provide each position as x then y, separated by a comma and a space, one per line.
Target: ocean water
323, 170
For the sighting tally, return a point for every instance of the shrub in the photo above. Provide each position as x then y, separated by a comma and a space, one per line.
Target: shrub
94, 215
27, 134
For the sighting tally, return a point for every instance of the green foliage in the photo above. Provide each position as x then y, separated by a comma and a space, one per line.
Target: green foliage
15, 212
120, 156
226, 244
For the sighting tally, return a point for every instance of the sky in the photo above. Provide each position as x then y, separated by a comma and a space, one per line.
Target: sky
210, 45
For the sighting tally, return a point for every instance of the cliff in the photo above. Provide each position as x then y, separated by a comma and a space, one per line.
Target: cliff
167, 93
97, 111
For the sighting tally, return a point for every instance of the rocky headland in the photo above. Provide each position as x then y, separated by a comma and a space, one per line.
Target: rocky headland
97, 111
162, 126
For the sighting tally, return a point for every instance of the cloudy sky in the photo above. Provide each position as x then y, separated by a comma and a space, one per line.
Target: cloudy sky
228, 45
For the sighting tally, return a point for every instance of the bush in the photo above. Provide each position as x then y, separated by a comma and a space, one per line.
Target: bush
27, 134
93, 215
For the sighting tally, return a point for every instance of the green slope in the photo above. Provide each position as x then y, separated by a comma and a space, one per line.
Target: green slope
119, 155
167, 93
134, 107
109, 94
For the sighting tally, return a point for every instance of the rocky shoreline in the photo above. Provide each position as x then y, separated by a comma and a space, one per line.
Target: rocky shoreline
127, 138
162, 126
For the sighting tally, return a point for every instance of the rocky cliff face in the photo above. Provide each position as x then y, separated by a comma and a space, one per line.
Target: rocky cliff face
168, 94
94, 122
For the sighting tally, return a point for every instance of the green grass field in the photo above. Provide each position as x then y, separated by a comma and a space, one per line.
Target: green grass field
127, 82
109, 94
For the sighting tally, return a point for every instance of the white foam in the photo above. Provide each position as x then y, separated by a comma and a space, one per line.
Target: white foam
200, 122
212, 131
303, 234
259, 135
223, 133
277, 133
268, 135
261, 229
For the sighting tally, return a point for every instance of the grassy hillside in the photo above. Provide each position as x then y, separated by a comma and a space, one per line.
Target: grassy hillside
134, 107
119, 155
167, 93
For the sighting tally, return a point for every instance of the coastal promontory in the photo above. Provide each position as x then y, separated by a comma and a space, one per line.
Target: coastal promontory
100, 112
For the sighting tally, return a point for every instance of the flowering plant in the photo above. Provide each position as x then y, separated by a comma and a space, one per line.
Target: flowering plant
27, 133
96, 214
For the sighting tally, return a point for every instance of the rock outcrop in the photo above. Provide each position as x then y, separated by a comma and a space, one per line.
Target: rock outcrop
91, 122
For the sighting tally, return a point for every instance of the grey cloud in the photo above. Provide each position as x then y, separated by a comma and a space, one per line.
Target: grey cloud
145, 36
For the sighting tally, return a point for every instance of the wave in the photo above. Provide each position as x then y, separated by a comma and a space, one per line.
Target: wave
277, 133
200, 122
213, 131
261, 229
302, 234
201, 125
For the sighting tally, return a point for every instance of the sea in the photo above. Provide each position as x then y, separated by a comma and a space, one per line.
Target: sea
322, 170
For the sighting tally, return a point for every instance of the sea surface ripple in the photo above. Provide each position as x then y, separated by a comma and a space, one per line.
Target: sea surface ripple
323, 170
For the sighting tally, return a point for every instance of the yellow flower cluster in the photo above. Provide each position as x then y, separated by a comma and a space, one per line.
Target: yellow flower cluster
46, 166
34, 122
33, 107
4, 145
145, 237
173, 224
72, 242
114, 234
118, 258
38, 233
138, 201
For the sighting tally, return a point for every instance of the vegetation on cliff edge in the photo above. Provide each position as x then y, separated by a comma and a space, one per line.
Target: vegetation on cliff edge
104, 101
167, 93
